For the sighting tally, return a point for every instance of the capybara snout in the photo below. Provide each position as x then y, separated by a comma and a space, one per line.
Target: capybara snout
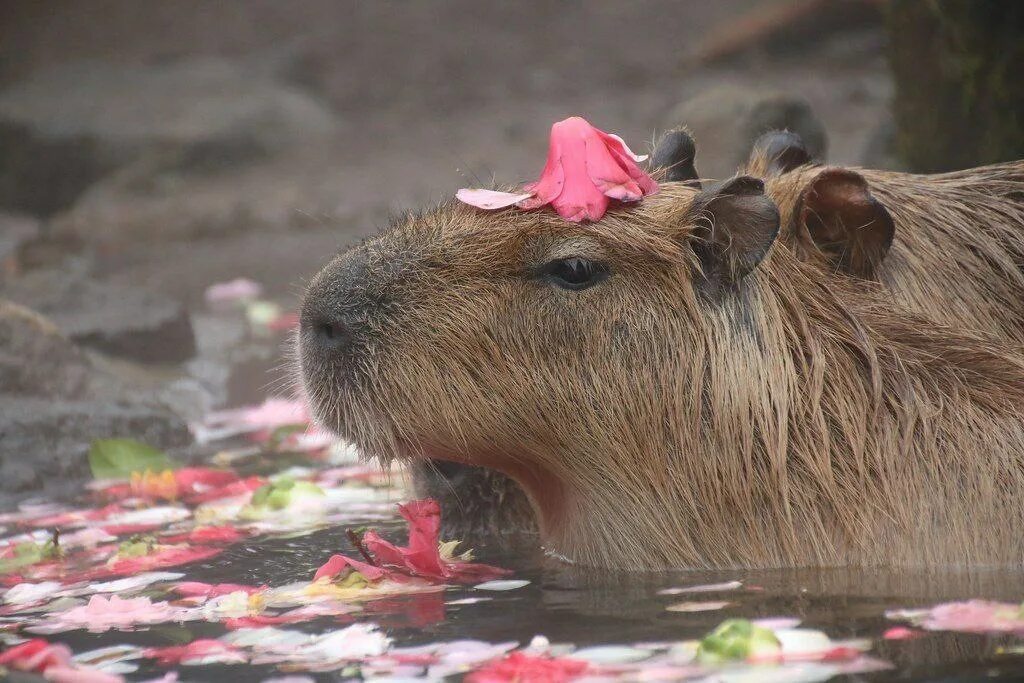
338, 316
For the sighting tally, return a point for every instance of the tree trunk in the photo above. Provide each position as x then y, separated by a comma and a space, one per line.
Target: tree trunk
958, 66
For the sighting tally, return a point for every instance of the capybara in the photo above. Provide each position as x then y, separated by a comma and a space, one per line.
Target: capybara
673, 387
949, 246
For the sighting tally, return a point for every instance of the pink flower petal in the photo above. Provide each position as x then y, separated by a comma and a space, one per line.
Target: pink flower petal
489, 199
608, 175
68, 674
212, 590
337, 563
626, 159
585, 169
901, 633
234, 290
101, 614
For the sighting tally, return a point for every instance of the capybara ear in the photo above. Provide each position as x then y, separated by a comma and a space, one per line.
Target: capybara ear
837, 215
735, 226
675, 153
777, 152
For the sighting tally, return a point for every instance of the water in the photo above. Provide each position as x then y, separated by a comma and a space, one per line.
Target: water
566, 604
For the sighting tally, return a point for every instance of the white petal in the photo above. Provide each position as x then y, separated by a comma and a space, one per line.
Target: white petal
508, 585
625, 147
489, 199
706, 588
611, 654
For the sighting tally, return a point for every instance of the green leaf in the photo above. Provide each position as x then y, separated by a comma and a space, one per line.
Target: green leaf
118, 458
277, 495
136, 546
736, 640
29, 553
278, 436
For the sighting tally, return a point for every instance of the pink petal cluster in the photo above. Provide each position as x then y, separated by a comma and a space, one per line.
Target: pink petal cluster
102, 614
35, 655
239, 289
421, 558
586, 168
53, 661
973, 616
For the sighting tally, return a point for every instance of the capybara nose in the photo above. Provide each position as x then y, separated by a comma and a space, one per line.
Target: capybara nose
334, 311
330, 332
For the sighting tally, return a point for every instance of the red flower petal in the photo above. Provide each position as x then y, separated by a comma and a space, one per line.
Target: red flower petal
338, 563
523, 668
190, 477
235, 488
422, 557
164, 558
197, 649
215, 534
36, 655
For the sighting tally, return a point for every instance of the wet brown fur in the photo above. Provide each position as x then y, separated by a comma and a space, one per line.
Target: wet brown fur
958, 251
798, 420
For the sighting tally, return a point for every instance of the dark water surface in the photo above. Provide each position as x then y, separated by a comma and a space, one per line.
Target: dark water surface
567, 605
594, 607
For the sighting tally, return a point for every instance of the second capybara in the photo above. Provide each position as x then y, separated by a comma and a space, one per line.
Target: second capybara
949, 246
673, 387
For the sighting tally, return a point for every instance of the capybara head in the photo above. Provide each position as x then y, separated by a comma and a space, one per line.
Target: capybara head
528, 344
671, 386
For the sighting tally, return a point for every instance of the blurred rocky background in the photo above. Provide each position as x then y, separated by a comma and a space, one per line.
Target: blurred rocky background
151, 150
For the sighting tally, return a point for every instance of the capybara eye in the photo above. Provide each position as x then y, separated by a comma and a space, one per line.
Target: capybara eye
574, 272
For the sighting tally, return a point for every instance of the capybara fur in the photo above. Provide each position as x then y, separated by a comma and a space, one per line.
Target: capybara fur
673, 387
949, 246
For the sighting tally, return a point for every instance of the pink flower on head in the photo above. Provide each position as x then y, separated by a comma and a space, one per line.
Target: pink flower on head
585, 170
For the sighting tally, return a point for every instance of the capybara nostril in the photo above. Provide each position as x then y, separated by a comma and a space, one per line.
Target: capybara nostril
331, 333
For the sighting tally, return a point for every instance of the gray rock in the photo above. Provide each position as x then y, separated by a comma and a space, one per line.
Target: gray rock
44, 443
122, 321
15, 231
36, 359
725, 120
54, 401
64, 128
150, 202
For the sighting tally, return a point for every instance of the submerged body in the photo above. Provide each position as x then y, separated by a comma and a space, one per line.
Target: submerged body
698, 397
